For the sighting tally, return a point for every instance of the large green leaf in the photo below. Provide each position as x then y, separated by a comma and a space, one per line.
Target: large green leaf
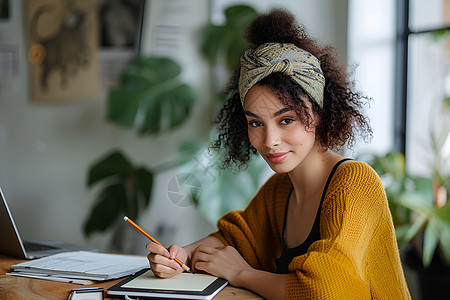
424, 186
144, 71
430, 242
401, 232
113, 164
125, 189
150, 97
187, 151
144, 184
225, 43
400, 214
417, 201
442, 219
445, 239
415, 228
392, 164
110, 204
212, 42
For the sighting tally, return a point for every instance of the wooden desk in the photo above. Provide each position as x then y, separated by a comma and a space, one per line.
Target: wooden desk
15, 288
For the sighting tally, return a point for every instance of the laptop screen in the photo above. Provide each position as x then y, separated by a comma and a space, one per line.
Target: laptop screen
10, 241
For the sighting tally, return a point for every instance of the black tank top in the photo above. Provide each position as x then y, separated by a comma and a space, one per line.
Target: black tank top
287, 254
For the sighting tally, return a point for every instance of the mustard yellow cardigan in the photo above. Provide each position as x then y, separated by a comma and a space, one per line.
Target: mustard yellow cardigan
357, 255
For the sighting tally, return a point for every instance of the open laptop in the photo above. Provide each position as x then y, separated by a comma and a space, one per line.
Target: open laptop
12, 244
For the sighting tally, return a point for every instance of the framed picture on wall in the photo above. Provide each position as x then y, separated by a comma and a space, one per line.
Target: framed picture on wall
62, 39
120, 24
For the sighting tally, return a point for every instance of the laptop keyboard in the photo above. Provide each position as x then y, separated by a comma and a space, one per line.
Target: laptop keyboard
30, 246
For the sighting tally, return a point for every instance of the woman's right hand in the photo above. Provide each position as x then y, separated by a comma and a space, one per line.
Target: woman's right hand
162, 261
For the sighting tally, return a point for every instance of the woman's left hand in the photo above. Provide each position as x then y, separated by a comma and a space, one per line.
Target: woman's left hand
224, 262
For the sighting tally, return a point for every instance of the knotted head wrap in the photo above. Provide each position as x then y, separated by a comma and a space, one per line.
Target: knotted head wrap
270, 58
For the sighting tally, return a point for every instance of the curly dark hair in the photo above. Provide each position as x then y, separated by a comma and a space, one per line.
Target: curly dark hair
341, 118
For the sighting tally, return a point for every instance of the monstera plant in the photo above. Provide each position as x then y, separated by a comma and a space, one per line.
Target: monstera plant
224, 44
150, 98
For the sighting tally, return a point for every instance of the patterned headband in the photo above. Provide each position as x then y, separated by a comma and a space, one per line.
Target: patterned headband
270, 58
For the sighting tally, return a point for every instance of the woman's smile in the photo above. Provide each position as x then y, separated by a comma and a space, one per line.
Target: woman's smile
277, 158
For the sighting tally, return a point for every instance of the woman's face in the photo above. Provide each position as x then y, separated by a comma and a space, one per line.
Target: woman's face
275, 130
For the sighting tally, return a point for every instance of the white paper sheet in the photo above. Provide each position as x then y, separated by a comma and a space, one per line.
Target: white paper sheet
85, 265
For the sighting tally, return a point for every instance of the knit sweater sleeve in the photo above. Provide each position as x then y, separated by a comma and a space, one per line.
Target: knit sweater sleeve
357, 255
256, 231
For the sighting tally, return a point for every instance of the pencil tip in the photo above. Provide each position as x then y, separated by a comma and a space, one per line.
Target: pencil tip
125, 218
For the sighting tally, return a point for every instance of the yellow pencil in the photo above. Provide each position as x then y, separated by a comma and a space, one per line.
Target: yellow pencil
154, 241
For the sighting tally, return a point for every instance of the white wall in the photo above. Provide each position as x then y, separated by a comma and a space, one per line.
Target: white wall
325, 20
45, 149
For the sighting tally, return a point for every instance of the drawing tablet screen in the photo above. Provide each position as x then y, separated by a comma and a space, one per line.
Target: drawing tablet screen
182, 286
181, 282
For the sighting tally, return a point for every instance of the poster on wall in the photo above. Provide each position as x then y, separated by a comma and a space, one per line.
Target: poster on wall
62, 44
120, 24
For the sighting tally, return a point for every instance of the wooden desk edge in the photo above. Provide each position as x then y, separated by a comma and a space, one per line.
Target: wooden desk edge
14, 287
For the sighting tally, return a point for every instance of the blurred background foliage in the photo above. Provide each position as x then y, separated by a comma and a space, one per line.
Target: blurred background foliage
151, 99
419, 204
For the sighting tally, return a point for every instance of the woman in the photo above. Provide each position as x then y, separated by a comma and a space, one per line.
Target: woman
320, 228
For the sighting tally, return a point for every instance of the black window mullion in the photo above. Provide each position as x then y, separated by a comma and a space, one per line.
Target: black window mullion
401, 84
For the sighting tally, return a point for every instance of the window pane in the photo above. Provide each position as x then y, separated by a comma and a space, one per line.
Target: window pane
429, 14
429, 86
371, 47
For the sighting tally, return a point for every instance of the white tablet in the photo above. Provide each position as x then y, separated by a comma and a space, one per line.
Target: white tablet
182, 286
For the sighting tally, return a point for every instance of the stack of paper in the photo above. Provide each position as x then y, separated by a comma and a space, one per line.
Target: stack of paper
81, 267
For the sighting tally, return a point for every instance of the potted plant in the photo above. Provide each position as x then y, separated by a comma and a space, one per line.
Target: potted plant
421, 210
150, 98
